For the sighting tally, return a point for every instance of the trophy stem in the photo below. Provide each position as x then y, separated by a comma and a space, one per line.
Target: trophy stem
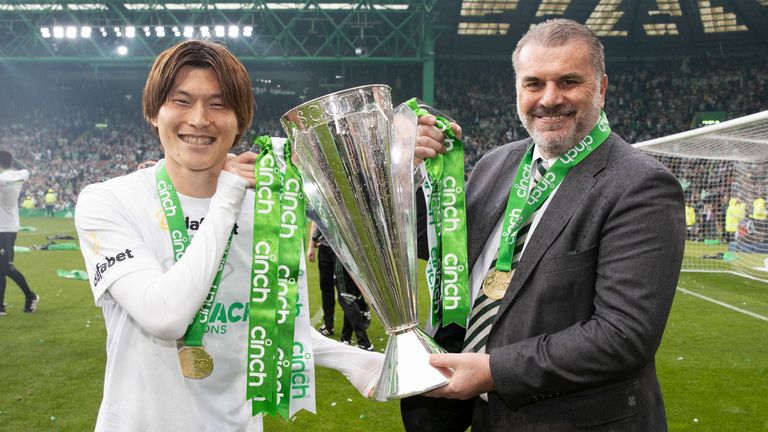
406, 371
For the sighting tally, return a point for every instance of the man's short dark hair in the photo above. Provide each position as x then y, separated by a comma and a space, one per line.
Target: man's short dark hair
233, 79
6, 159
558, 32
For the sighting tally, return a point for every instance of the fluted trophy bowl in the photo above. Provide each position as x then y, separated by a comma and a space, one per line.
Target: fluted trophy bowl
355, 155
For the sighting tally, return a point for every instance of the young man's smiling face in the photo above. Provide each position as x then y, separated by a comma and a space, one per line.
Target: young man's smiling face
195, 128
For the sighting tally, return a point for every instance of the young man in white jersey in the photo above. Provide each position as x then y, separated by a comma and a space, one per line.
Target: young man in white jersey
12, 177
198, 100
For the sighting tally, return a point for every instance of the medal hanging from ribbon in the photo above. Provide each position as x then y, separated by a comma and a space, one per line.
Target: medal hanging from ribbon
278, 232
446, 208
195, 362
522, 203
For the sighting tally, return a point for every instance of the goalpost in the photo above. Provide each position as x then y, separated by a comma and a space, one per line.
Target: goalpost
723, 169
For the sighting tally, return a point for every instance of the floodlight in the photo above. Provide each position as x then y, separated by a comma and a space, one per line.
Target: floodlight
45, 32
160, 31
122, 50
189, 31
234, 31
219, 30
58, 32
71, 32
130, 32
85, 32
205, 32
247, 31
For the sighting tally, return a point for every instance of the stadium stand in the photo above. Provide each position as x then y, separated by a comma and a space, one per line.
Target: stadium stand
76, 134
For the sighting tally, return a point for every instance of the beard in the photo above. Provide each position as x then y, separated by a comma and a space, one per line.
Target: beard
564, 138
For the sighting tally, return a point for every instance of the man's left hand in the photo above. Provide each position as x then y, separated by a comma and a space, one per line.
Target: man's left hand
430, 140
471, 375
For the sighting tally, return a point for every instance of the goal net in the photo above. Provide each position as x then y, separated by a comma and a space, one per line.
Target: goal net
723, 170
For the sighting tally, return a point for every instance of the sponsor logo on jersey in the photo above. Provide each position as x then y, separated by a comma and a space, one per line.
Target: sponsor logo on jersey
194, 225
109, 262
223, 314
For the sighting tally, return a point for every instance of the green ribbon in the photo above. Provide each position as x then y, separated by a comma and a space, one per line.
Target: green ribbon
262, 325
278, 235
292, 230
522, 203
446, 203
180, 239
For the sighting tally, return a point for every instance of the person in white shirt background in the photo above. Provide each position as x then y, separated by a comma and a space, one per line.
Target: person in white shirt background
12, 177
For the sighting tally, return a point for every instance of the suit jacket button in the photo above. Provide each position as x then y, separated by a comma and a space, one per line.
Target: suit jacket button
632, 401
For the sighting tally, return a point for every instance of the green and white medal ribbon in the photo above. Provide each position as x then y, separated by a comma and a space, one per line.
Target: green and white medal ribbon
292, 229
180, 239
278, 230
446, 208
521, 204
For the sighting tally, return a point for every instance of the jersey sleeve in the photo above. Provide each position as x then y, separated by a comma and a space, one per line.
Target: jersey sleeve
109, 241
11, 176
161, 302
362, 368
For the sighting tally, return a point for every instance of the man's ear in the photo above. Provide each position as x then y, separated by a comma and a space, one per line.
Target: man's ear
603, 89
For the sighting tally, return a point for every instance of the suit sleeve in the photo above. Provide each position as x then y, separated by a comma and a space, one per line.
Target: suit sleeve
638, 263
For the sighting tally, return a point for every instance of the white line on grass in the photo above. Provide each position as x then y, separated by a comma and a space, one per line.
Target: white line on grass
316, 317
725, 305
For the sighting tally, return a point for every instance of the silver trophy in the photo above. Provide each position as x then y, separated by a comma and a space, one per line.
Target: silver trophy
355, 154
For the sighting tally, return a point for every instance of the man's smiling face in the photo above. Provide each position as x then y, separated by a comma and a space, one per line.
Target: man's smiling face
195, 128
559, 97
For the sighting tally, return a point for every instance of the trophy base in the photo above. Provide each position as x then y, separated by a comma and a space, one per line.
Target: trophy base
406, 371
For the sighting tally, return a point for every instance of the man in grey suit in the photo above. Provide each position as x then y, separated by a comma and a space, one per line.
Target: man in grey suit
576, 316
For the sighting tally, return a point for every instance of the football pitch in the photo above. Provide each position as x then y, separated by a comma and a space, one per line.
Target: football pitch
712, 363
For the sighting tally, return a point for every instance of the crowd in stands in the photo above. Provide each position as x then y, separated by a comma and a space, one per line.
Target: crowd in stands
645, 99
77, 138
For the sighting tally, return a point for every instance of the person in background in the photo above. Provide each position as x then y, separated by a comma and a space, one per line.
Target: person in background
50, 202
13, 174
28, 203
357, 314
319, 249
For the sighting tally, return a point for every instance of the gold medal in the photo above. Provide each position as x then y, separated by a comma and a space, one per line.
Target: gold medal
195, 362
496, 284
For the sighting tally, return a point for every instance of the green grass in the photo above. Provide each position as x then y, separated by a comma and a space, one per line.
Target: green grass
713, 362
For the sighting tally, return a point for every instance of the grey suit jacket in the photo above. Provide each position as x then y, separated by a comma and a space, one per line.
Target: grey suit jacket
574, 340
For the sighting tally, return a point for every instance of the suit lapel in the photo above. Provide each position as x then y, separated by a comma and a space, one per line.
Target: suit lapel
486, 206
573, 190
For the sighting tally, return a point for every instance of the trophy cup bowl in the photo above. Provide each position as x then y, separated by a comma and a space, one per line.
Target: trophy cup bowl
355, 155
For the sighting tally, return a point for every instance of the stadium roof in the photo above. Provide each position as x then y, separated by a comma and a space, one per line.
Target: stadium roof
366, 30
626, 27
